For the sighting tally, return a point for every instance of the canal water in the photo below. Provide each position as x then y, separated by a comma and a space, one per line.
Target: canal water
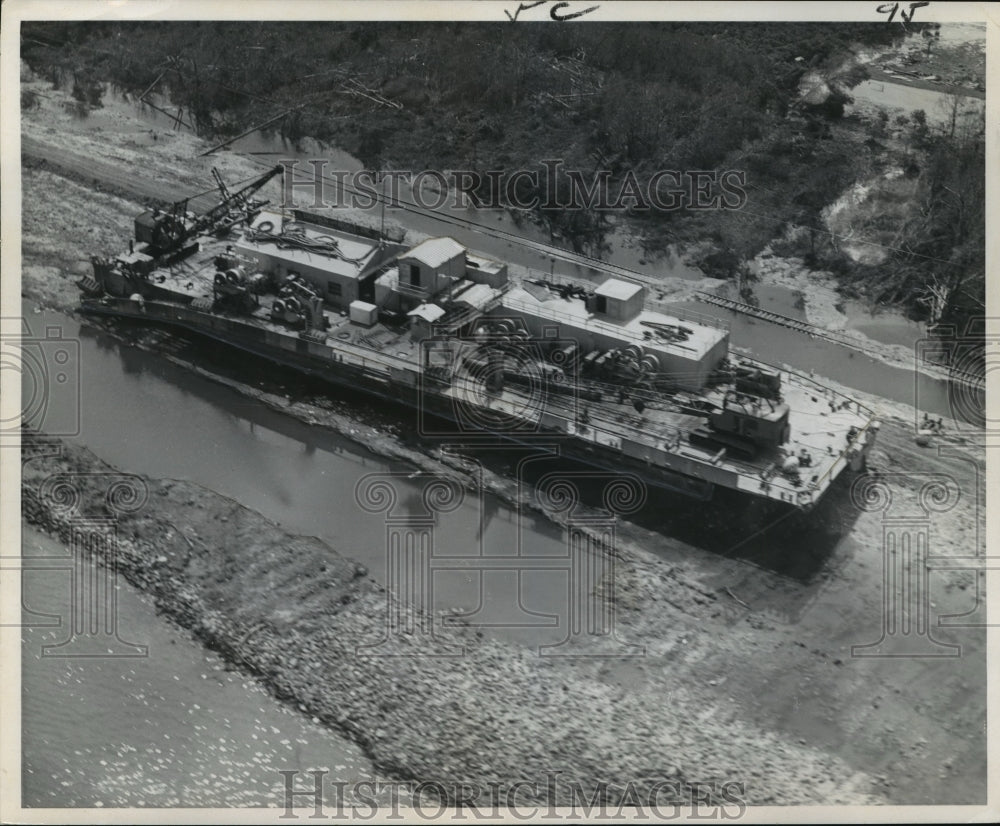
890, 328
622, 249
141, 413
177, 728
780, 345
937, 106
173, 728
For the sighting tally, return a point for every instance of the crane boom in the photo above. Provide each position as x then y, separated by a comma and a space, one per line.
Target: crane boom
239, 199
167, 231
223, 189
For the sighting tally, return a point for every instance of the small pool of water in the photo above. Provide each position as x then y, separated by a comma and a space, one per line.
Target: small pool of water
937, 106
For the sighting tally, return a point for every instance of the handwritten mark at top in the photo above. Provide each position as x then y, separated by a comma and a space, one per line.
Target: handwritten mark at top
559, 12
892, 8
555, 15
523, 7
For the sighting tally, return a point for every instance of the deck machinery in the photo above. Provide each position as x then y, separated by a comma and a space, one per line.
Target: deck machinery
475, 353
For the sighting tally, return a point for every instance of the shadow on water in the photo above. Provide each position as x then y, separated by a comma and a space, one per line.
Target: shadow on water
229, 363
792, 543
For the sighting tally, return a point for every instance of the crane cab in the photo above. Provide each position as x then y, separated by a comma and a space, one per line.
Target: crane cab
755, 419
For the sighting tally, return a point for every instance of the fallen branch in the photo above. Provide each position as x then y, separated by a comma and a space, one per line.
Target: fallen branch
153, 84
251, 129
736, 598
353, 87
176, 118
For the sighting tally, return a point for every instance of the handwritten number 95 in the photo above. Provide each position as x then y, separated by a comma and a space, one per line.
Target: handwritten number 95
892, 8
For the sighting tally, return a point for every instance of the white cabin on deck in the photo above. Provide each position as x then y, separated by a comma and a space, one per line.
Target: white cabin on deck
614, 318
439, 270
340, 266
432, 266
422, 320
619, 300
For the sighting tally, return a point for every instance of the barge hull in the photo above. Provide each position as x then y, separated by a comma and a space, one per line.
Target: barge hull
351, 377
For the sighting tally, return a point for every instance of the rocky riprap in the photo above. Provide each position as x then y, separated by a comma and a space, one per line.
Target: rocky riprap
291, 611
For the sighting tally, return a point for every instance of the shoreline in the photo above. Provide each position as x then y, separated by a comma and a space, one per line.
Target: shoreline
676, 580
209, 714
299, 646
883, 76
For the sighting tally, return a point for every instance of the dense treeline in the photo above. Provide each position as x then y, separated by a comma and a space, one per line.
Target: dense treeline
938, 255
645, 93
628, 98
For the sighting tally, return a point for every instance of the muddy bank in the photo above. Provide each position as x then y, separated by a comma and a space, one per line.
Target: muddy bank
291, 610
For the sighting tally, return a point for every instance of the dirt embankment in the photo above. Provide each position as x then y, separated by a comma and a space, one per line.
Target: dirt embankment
292, 610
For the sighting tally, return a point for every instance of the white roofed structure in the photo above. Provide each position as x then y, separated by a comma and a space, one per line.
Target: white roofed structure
435, 252
618, 289
427, 312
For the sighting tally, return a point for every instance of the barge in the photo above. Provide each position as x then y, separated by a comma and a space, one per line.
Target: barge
479, 354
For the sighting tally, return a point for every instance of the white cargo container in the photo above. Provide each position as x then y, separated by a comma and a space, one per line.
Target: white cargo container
364, 313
